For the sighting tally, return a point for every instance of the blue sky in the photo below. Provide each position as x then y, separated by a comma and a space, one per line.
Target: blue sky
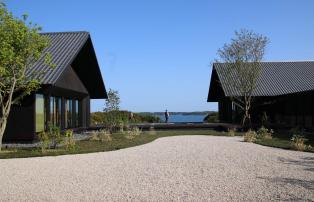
157, 53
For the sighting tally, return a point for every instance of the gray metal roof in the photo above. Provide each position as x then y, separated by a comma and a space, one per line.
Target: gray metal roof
64, 46
276, 78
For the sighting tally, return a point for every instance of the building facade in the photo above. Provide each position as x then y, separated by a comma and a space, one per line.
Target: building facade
284, 92
64, 97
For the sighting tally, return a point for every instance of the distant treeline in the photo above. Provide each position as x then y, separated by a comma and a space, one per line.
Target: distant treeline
105, 118
178, 113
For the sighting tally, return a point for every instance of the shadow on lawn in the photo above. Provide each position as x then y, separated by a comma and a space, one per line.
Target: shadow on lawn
306, 162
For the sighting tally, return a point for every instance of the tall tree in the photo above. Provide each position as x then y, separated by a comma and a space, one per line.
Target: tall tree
20, 47
113, 101
242, 58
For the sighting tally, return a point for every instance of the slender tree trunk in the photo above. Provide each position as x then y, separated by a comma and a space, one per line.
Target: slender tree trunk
246, 121
3, 123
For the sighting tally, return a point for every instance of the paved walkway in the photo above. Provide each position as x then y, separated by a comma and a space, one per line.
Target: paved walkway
182, 168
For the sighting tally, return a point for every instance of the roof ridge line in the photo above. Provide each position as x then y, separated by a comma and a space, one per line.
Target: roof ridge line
65, 32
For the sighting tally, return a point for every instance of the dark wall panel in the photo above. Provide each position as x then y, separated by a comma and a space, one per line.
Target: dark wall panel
21, 122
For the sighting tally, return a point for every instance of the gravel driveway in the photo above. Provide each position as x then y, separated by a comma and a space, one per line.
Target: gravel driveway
181, 168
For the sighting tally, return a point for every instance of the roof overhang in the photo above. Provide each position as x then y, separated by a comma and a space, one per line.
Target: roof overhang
215, 92
86, 67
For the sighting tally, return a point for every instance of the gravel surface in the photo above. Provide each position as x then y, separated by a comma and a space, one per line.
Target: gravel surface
181, 168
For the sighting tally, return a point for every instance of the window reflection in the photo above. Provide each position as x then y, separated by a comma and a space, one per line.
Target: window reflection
40, 113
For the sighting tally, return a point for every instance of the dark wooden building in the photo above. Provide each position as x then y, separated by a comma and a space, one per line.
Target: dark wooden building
66, 90
285, 92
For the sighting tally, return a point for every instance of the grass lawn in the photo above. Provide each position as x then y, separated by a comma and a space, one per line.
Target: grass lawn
119, 142
281, 142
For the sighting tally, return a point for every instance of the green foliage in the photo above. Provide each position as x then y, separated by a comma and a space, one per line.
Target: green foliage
113, 101
212, 117
43, 141
21, 46
250, 136
54, 135
69, 140
242, 57
264, 133
118, 118
145, 118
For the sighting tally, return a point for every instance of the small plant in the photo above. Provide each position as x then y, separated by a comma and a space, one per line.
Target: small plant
250, 136
264, 133
94, 136
231, 132
297, 142
43, 141
104, 136
101, 135
133, 132
69, 140
121, 126
54, 135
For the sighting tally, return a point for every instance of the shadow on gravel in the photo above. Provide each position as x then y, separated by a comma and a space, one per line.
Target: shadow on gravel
307, 184
306, 162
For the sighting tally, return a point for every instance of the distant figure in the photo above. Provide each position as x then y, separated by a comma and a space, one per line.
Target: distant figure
166, 116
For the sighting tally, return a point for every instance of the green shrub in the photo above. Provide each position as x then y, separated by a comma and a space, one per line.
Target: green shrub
54, 135
250, 136
113, 119
298, 142
231, 132
212, 117
133, 132
264, 133
43, 141
69, 140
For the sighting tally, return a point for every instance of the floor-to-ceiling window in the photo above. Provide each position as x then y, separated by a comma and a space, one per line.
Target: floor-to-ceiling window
40, 113
77, 113
52, 109
58, 105
69, 113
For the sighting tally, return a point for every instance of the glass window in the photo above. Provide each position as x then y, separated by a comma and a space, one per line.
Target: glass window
77, 122
40, 113
52, 111
58, 111
69, 114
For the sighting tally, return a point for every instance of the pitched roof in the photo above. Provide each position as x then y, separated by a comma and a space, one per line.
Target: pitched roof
276, 78
64, 48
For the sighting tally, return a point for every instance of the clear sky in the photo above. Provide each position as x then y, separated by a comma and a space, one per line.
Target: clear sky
157, 53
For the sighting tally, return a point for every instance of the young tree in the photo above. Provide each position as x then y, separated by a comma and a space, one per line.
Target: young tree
113, 101
112, 118
242, 59
20, 47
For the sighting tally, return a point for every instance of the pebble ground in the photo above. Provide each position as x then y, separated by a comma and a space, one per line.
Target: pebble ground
181, 168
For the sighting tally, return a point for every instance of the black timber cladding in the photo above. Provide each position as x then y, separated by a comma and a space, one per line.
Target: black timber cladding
65, 48
277, 78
